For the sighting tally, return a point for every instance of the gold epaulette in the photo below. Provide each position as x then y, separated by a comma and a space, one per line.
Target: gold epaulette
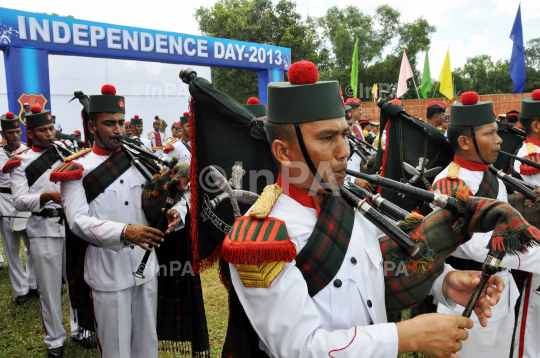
531, 148
77, 155
453, 171
266, 201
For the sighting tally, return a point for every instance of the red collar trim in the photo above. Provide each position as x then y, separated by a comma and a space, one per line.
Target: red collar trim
536, 142
36, 149
100, 151
301, 196
472, 166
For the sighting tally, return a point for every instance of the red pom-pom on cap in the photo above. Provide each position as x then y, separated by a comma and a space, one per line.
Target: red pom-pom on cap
10, 115
108, 89
253, 100
136, 116
303, 73
536, 95
469, 98
186, 114
35, 109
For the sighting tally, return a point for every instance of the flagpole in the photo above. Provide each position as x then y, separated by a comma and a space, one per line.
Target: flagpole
435, 90
415, 87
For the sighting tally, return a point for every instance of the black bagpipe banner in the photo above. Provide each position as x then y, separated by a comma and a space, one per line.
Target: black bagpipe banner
228, 137
415, 153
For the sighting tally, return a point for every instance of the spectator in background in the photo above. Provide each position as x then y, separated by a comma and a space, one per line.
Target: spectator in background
57, 125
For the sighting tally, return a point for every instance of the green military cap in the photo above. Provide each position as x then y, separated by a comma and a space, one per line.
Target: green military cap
10, 121
107, 102
136, 120
348, 112
470, 112
185, 118
38, 117
530, 106
256, 108
304, 99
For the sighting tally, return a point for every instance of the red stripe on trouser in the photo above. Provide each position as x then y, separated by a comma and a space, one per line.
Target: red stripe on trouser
524, 318
41, 309
95, 324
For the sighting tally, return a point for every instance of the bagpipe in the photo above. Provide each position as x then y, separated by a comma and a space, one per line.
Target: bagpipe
524, 201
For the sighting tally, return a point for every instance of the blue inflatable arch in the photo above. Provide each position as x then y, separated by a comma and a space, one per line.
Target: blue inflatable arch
28, 38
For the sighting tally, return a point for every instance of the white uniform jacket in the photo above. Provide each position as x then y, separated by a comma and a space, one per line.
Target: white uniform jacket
290, 323
354, 163
26, 198
475, 249
180, 151
158, 142
6, 200
109, 263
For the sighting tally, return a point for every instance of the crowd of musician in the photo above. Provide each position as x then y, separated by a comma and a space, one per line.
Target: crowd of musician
93, 209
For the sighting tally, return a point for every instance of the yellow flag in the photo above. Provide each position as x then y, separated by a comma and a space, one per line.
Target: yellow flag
374, 92
445, 78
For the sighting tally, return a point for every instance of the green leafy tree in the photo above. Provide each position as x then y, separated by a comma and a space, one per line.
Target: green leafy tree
375, 34
263, 22
532, 54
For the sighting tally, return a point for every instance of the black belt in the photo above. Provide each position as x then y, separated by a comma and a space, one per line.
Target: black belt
5, 190
49, 213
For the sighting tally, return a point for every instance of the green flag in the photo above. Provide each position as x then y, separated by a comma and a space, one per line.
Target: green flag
426, 79
354, 70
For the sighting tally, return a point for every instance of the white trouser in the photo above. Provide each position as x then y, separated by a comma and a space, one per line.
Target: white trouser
21, 280
126, 321
49, 255
526, 341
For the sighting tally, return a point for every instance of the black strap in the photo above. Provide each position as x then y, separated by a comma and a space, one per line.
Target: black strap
476, 146
5, 190
49, 213
308, 159
186, 144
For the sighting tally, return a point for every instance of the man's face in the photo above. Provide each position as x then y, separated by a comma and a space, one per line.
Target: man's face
445, 125
437, 120
128, 131
375, 129
186, 132
42, 136
78, 136
488, 141
110, 128
368, 127
173, 131
356, 113
156, 126
12, 136
328, 147
138, 129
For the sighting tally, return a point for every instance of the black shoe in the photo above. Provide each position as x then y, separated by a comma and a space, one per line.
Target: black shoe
88, 342
20, 300
33, 293
55, 352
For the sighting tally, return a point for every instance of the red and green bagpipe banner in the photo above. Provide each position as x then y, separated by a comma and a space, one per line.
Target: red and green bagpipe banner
511, 143
228, 137
415, 153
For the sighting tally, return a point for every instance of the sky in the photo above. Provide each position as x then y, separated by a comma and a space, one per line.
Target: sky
470, 28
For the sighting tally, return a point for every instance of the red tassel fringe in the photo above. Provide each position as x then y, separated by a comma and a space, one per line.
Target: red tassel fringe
210, 260
67, 176
526, 170
257, 253
194, 203
11, 164
385, 155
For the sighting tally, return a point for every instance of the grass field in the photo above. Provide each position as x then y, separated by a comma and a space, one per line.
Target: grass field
21, 332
